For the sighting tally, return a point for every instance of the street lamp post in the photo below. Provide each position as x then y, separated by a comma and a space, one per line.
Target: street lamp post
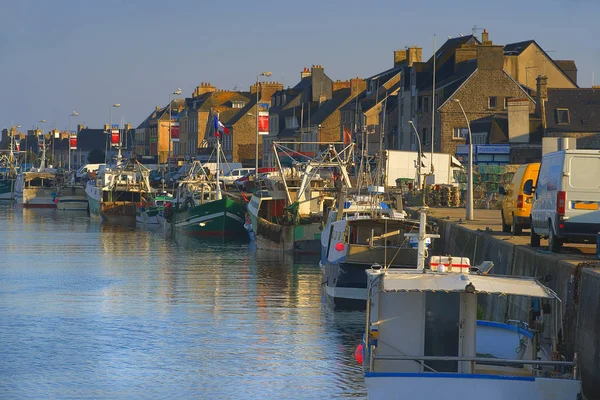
469, 210
266, 73
419, 161
74, 114
175, 93
109, 135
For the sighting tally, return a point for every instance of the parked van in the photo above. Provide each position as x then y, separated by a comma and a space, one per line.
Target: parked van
566, 198
83, 171
516, 205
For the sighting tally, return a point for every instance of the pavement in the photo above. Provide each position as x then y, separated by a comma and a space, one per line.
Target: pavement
490, 222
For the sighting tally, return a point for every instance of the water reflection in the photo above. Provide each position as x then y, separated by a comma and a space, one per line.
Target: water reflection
107, 311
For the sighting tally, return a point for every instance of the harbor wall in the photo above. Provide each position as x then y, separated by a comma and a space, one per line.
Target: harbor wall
577, 285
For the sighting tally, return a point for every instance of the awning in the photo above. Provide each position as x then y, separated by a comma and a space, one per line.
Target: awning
456, 282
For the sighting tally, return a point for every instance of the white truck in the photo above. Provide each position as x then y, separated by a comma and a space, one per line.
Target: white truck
404, 164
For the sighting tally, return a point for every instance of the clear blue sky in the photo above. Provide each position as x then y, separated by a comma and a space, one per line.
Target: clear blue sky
84, 55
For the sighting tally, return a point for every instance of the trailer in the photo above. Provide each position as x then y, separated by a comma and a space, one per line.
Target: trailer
404, 164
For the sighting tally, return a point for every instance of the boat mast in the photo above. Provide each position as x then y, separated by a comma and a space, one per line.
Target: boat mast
218, 188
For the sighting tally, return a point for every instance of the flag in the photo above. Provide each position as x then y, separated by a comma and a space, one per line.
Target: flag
219, 127
347, 136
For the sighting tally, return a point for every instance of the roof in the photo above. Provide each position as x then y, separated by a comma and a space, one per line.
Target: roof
328, 107
412, 281
515, 49
583, 106
564, 66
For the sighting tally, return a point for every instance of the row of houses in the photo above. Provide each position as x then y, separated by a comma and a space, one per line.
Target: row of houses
513, 96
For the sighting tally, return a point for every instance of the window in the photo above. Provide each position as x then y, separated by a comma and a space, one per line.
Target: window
492, 102
425, 137
237, 104
419, 103
480, 138
426, 104
460, 133
506, 102
291, 122
562, 116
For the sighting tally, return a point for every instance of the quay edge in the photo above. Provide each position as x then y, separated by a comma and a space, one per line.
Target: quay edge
576, 281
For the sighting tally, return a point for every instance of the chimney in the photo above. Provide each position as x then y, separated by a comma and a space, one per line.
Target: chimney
415, 54
518, 121
267, 90
541, 95
485, 38
320, 85
357, 86
79, 127
490, 57
157, 108
337, 85
305, 73
399, 57
465, 52
205, 87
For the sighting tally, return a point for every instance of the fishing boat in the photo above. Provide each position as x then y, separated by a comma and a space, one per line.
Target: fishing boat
423, 339
152, 216
71, 194
362, 231
38, 187
287, 213
116, 194
8, 171
201, 208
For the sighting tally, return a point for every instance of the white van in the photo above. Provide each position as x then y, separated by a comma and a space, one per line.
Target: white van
566, 201
83, 171
234, 174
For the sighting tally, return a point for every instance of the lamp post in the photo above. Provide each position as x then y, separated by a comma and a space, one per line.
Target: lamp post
266, 73
175, 93
116, 105
419, 161
469, 210
74, 114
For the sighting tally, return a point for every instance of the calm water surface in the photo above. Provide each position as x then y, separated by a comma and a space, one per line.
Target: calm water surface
96, 311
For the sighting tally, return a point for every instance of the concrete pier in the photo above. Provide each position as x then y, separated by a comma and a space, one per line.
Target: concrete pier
574, 275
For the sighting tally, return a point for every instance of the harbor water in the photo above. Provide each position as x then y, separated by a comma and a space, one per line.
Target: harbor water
90, 310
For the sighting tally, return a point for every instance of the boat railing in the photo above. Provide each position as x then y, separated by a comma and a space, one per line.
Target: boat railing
536, 364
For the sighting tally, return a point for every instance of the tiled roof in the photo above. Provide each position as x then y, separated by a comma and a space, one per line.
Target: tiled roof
583, 106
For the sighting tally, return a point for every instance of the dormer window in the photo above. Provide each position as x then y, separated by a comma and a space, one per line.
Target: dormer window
562, 116
238, 104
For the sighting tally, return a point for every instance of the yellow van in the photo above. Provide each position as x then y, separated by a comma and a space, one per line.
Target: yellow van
516, 206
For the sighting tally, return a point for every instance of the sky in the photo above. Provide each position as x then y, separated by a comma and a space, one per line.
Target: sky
61, 56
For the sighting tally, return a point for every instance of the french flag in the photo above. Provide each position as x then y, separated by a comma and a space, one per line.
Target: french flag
219, 127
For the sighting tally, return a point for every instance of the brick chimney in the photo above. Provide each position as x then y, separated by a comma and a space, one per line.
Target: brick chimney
415, 54
541, 95
485, 38
205, 87
337, 85
490, 57
465, 52
399, 57
357, 86
305, 73
267, 90
518, 121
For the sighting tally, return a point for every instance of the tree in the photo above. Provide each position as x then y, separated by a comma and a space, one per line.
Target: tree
95, 156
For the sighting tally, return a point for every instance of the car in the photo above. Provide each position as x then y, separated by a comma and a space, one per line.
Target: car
516, 206
246, 183
566, 198
229, 178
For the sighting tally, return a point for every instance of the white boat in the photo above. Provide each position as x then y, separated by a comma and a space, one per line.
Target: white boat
116, 194
71, 195
37, 188
367, 231
423, 339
